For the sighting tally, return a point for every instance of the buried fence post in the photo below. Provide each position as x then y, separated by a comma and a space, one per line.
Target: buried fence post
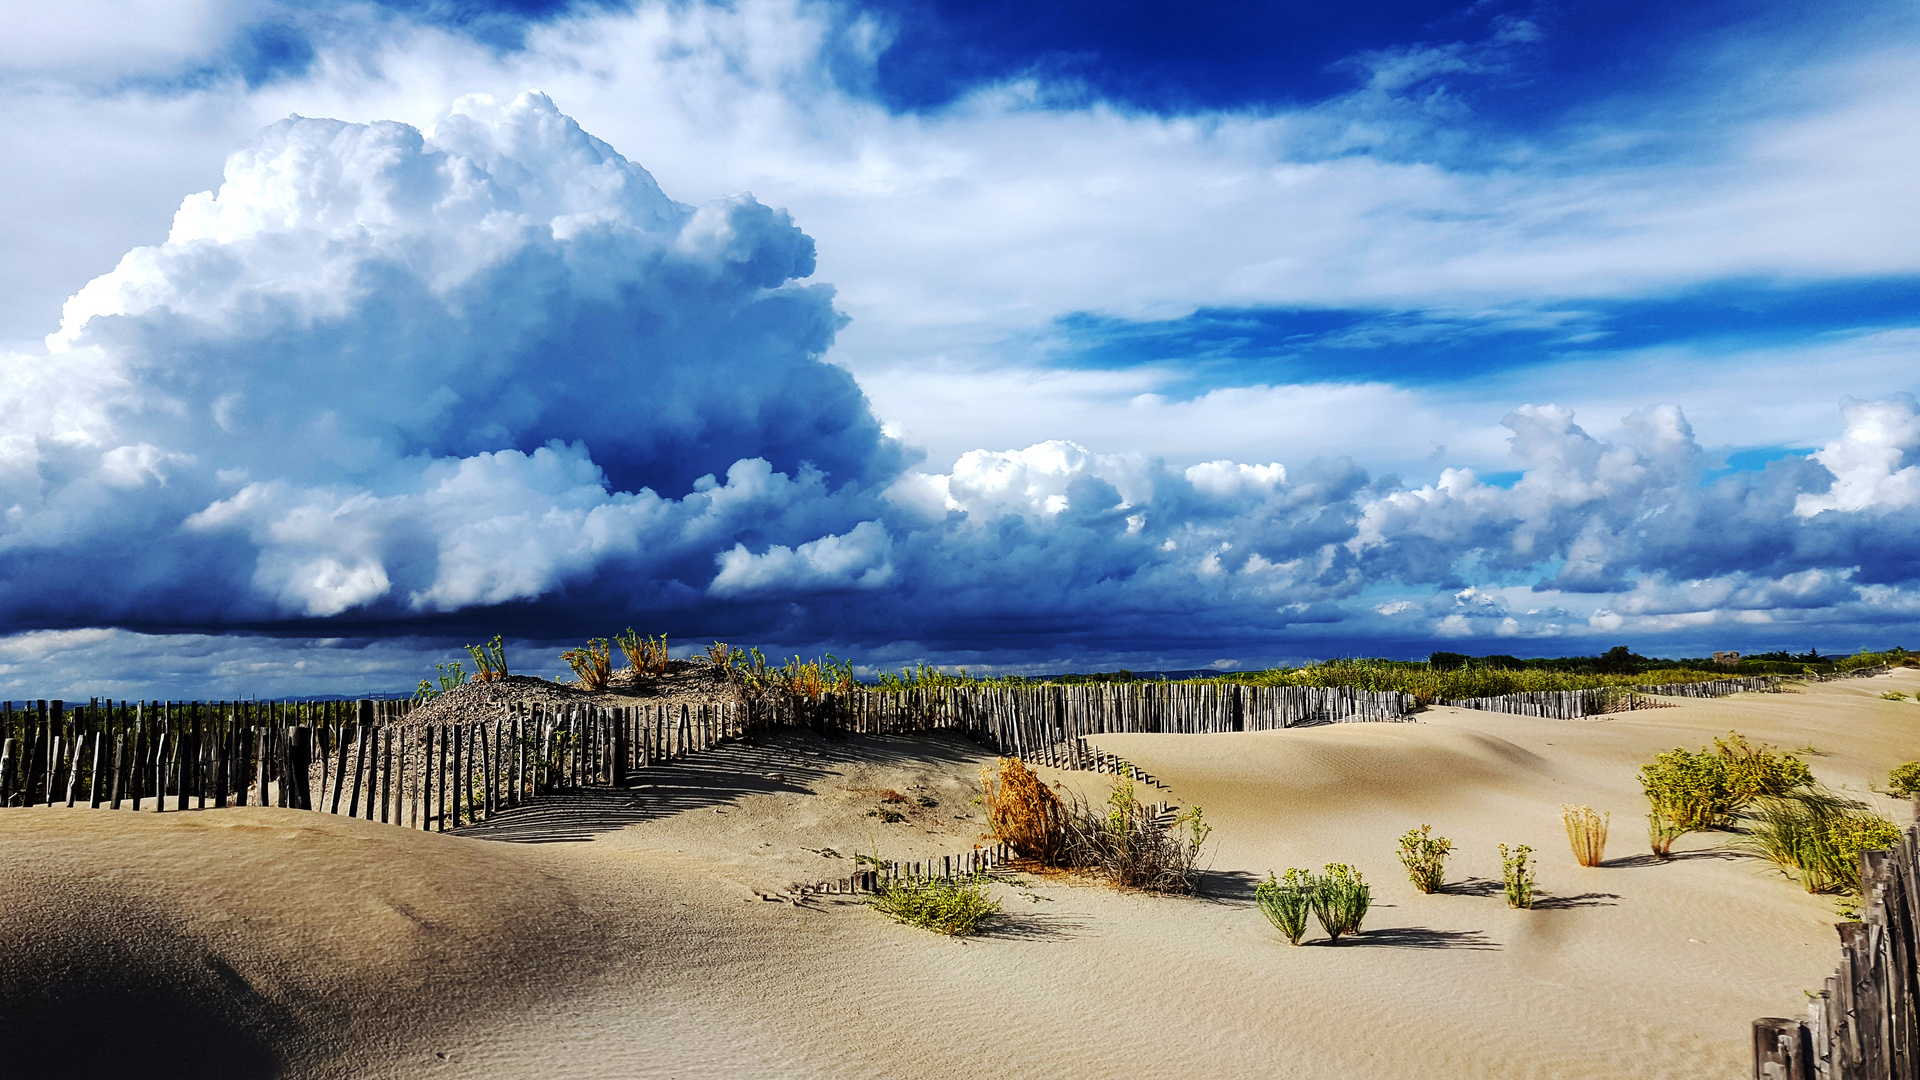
1781, 1050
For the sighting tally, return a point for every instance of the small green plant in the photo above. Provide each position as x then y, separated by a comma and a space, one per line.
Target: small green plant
1893, 695
1516, 872
593, 664
1425, 857
959, 906
1904, 781
1286, 901
450, 676
890, 817
1587, 833
489, 660
1340, 900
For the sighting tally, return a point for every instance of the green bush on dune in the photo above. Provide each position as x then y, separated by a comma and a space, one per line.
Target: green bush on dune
1425, 857
957, 906
1904, 781
1691, 792
1286, 901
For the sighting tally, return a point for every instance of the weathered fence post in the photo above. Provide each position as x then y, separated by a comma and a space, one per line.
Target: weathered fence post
1781, 1050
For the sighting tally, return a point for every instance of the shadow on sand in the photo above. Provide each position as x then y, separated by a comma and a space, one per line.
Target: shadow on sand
1418, 937
786, 761
1542, 901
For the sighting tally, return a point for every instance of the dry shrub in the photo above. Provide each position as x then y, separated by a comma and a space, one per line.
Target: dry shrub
593, 664
1587, 832
645, 655
1023, 812
892, 796
1126, 843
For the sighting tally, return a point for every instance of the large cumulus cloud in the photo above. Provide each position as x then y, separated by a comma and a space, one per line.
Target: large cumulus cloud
393, 380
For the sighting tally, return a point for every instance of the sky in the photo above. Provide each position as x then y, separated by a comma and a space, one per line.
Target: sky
1022, 338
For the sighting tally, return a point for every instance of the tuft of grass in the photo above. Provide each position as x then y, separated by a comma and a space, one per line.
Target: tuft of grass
1904, 781
1340, 900
1128, 845
956, 907
1286, 901
1587, 832
1817, 837
1425, 857
1893, 695
592, 664
927, 800
1516, 873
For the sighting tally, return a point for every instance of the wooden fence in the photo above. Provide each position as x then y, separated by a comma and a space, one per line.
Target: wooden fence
373, 759
1864, 1024
1574, 704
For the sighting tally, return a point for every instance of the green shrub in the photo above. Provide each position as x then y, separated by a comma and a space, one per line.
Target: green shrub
1286, 901
1893, 695
1759, 772
1904, 782
1340, 900
1516, 872
1425, 857
1689, 791
958, 906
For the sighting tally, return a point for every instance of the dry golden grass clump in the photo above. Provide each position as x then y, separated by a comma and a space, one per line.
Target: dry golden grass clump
1587, 832
593, 664
1022, 811
645, 655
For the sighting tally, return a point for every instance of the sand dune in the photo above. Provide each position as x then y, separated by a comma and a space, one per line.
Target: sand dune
257, 942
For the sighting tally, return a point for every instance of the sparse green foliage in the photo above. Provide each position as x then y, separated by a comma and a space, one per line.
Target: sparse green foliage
1425, 857
593, 664
1662, 830
1286, 901
450, 676
1340, 900
1904, 781
1586, 832
957, 907
1893, 695
1129, 846
489, 660
1516, 874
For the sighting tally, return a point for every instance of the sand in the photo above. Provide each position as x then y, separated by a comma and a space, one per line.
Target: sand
636, 939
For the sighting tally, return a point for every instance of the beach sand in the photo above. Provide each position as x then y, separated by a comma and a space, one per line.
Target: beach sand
636, 940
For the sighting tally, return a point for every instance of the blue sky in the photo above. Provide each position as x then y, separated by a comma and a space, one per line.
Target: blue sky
1009, 336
